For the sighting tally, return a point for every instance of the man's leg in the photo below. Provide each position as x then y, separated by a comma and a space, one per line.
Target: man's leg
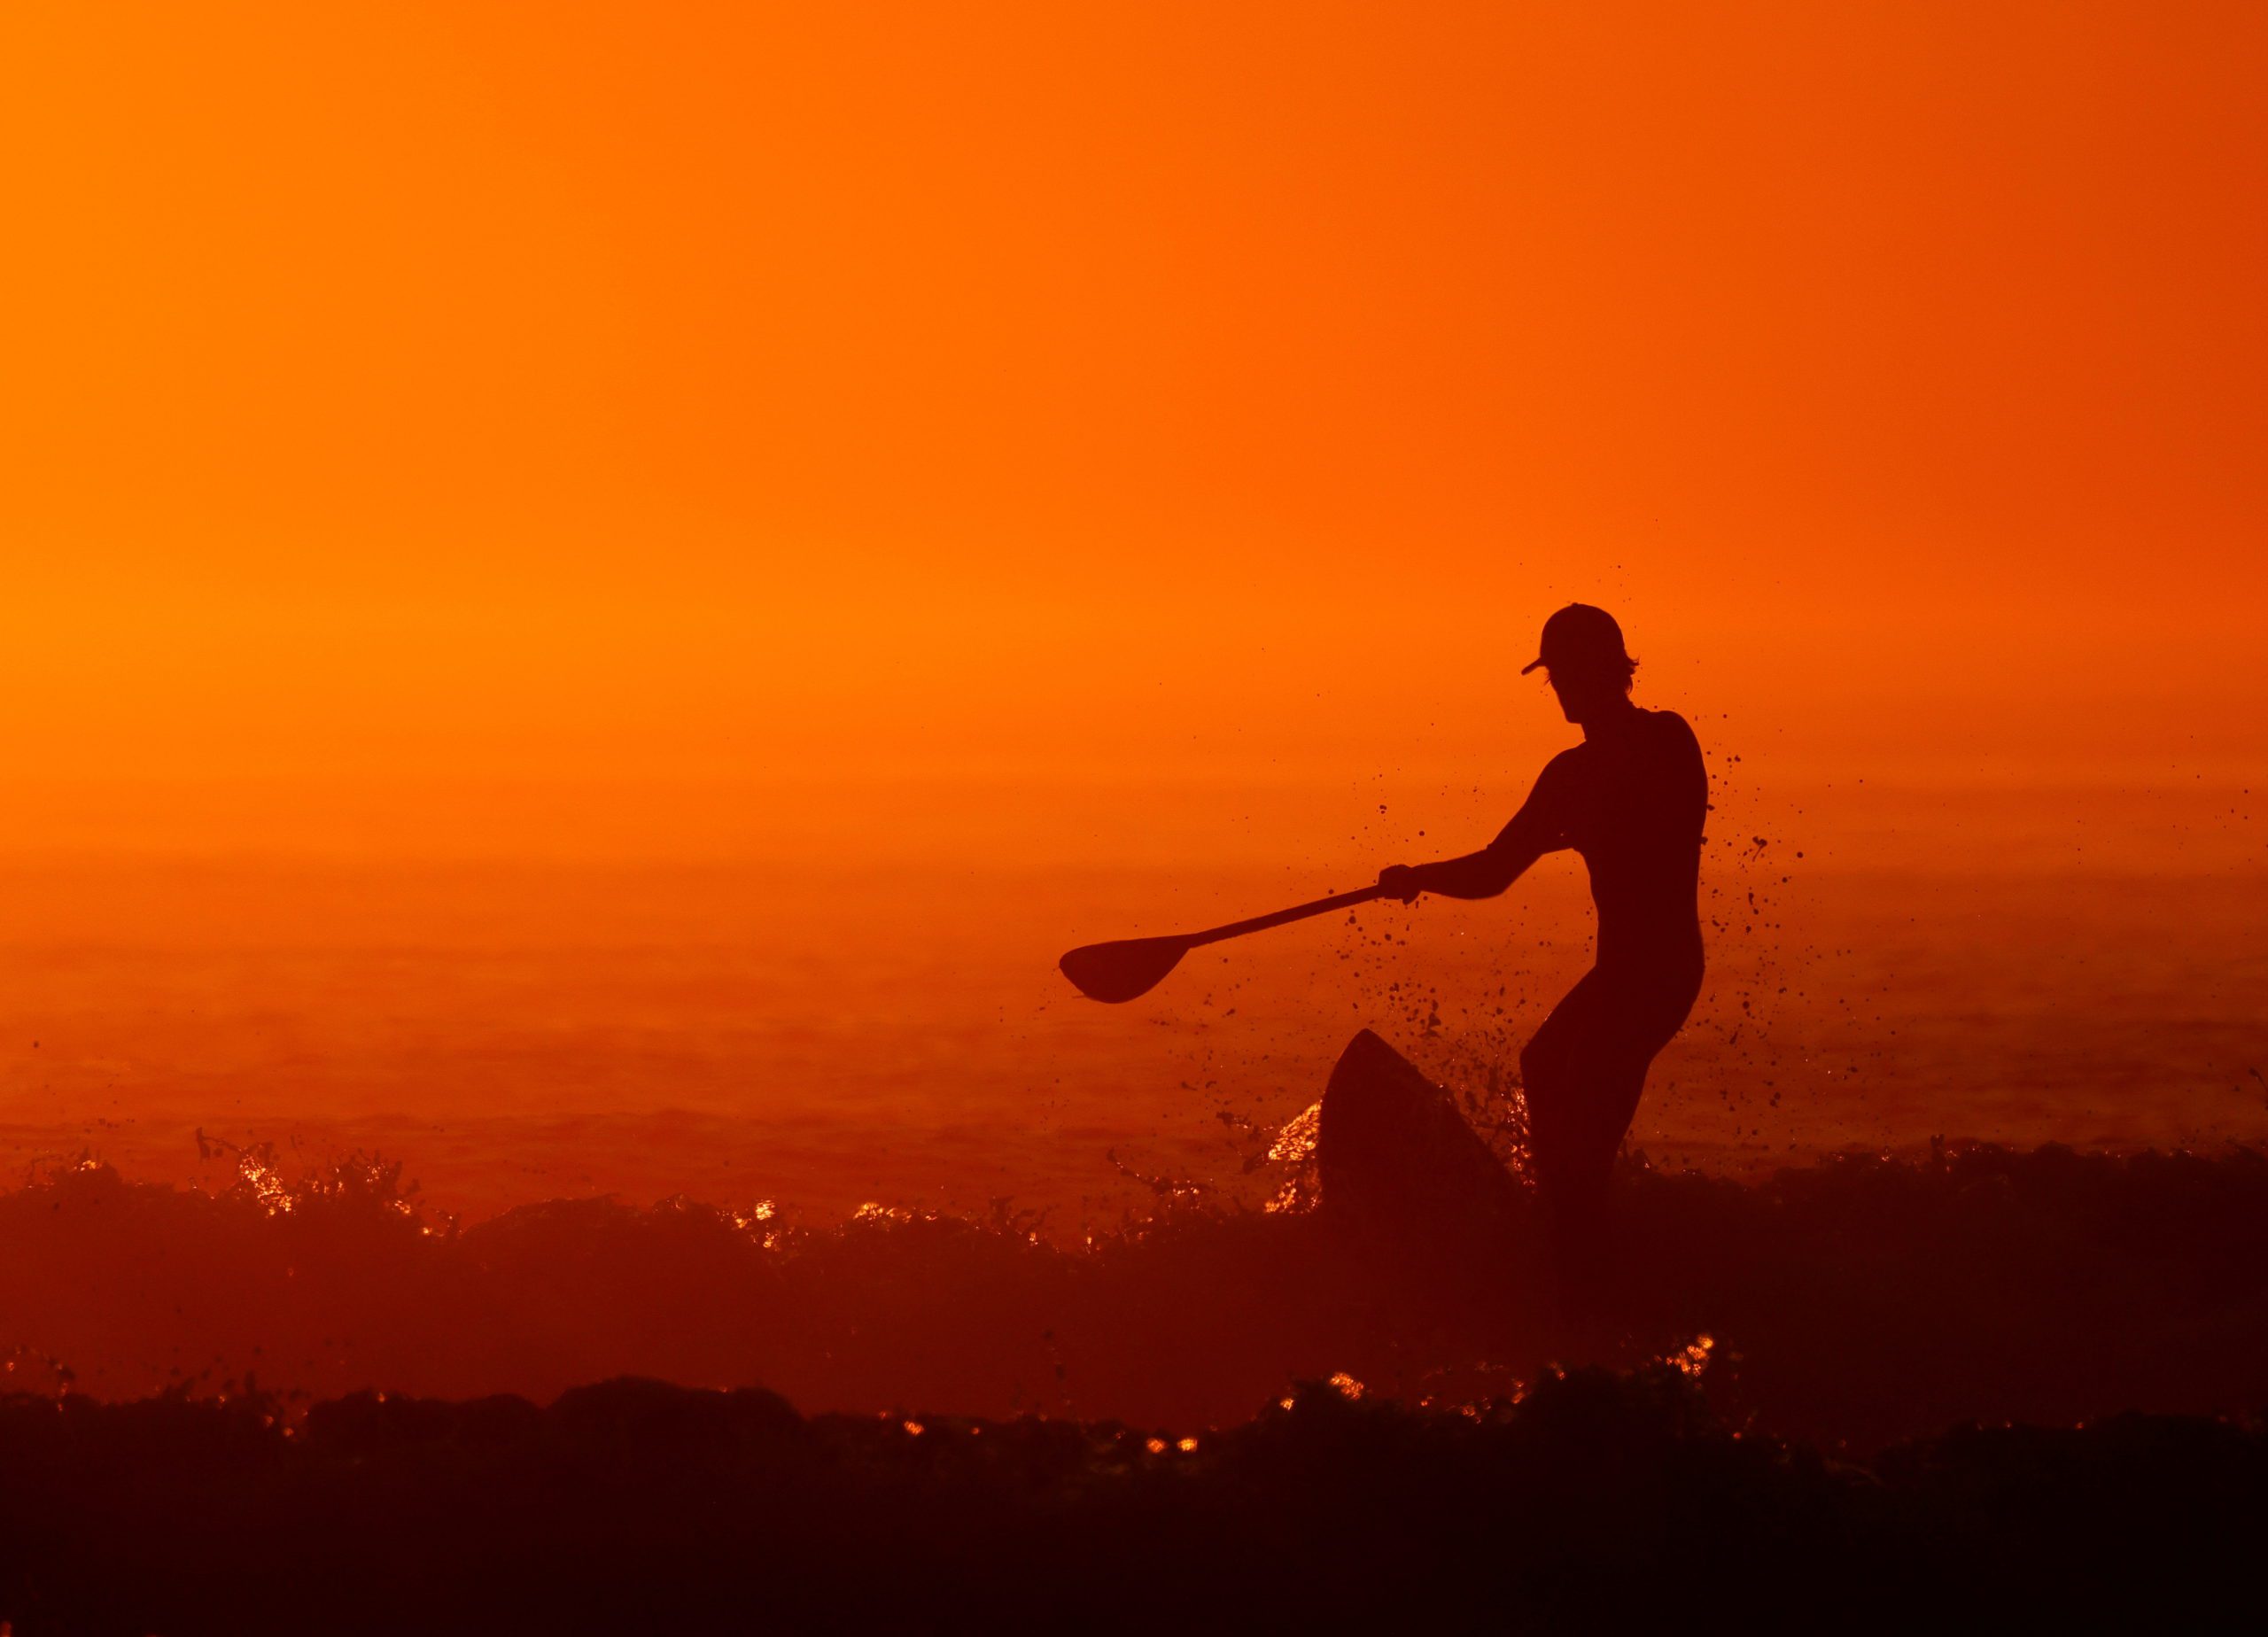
1582, 1077
1552, 1079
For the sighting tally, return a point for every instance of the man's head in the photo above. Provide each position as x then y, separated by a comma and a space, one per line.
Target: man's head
1583, 657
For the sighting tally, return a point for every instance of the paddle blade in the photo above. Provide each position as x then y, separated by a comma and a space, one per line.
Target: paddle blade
1116, 972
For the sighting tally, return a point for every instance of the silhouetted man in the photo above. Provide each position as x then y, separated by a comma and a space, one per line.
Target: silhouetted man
1631, 799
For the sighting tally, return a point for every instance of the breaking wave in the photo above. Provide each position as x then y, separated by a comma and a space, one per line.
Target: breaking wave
1851, 1303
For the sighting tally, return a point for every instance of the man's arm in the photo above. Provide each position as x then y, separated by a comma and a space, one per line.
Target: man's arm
1534, 831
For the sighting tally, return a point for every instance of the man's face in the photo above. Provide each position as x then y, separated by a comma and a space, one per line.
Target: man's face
1580, 695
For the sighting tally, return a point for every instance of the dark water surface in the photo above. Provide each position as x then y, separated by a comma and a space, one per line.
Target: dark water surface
741, 1032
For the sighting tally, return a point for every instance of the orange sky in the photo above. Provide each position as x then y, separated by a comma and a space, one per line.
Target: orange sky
400, 397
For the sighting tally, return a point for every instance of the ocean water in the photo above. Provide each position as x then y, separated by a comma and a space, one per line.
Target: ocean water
829, 1038
451, 1129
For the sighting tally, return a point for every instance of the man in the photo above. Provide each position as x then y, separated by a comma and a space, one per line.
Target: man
1631, 799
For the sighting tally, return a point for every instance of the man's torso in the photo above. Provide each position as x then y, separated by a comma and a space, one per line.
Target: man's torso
1633, 804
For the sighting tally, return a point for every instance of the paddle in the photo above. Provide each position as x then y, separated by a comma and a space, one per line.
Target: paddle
1132, 967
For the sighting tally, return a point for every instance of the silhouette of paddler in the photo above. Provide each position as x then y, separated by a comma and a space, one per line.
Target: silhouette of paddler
1632, 799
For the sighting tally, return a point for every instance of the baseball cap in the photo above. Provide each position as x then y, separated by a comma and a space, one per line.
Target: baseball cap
1579, 635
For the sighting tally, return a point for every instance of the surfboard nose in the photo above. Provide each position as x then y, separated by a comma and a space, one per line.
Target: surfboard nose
1394, 1157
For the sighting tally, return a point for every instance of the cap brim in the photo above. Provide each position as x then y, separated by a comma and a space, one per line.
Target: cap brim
1531, 665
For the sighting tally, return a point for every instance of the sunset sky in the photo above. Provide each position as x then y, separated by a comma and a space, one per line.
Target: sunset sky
408, 404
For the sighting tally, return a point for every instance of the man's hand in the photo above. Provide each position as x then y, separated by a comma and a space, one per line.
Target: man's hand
1399, 880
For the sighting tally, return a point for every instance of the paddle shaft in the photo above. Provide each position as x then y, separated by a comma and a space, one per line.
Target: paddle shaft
1297, 911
